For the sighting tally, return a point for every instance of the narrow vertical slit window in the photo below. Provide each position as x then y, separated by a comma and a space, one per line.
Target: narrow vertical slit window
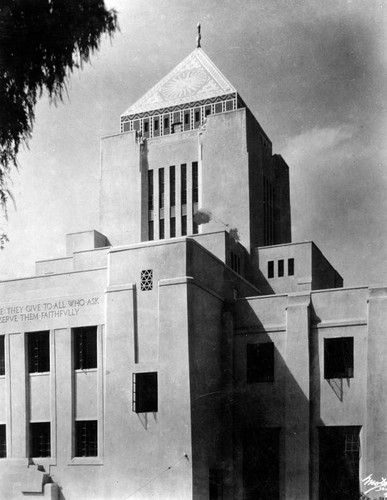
172, 186
280, 268
40, 439
3, 441
290, 267
161, 229
150, 230
2, 355
38, 347
144, 389
183, 170
183, 225
172, 223
270, 269
86, 438
150, 190
161, 188
195, 182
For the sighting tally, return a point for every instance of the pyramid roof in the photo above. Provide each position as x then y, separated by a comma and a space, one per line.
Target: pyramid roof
194, 79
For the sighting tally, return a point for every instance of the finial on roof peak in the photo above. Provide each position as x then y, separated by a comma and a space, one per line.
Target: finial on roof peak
198, 38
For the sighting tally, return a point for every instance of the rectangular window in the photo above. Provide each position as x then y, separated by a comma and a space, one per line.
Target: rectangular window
173, 226
144, 387
195, 228
161, 229
86, 438
38, 346
146, 127
260, 362
290, 267
195, 182
172, 186
207, 110
186, 120
270, 269
215, 484
161, 188
150, 230
166, 123
183, 170
150, 190
183, 225
156, 124
280, 268
3, 441
40, 439
85, 347
2, 355
338, 358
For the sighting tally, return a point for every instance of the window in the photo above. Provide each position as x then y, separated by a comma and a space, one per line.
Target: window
38, 352
290, 267
85, 347
197, 116
2, 355
172, 186
338, 357
150, 190
186, 118
161, 188
173, 226
260, 362
144, 387
207, 110
156, 123
150, 230
146, 280
40, 439
86, 438
183, 225
166, 122
215, 484
280, 268
270, 269
161, 229
3, 441
146, 127
195, 182
183, 170
195, 228
218, 107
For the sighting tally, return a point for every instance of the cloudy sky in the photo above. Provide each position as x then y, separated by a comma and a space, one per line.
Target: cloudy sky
312, 72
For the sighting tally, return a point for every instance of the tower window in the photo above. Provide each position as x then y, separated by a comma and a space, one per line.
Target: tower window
161, 229
146, 127
207, 110
280, 268
338, 357
161, 188
38, 352
270, 269
186, 118
156, 123
144, 387
172, 186
172, 223
85, 347
150, 190
260, 362
3, 441
195, 182
146, 280
150, 230
183, 225
86, 438
183, 170
166, 122
290, 267
2, 355
40, 439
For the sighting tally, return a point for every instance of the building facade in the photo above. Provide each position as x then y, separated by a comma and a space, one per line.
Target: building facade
188, 349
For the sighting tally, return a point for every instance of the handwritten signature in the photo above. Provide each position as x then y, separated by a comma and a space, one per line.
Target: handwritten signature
375, 485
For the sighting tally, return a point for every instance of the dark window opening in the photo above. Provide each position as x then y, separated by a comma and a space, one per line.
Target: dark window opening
126, 126
85, 347
40, 439
260, 362
207, 110
150, 190
161, 188
150, 230
338, 358
173, 227
38, 352
146, 127
2, 355
172, 186
184, 225
186, 118
270, 269
144, 386
195, 227
146, 280
156, 123
280, 268
183, 170
291, 267
215, 484
86, 438
195, 182
218, 107
197, 116
3, 441
161, 229
229, 105
166, 122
